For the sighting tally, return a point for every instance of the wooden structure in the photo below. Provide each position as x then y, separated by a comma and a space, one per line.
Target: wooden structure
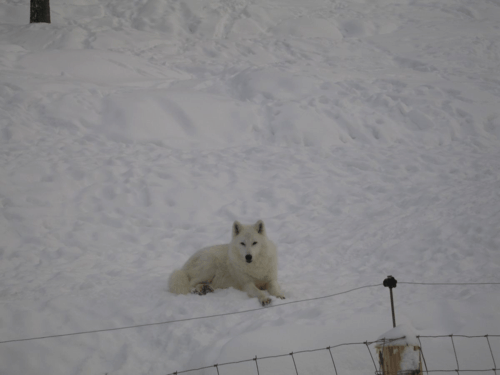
399, 359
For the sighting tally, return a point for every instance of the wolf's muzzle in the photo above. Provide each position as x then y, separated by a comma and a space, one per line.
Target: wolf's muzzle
248, 258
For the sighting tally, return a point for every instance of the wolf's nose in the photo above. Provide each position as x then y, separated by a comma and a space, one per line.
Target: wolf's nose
248, 257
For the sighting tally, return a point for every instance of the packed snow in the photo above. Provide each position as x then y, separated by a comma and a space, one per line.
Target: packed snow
364, 133
400, 335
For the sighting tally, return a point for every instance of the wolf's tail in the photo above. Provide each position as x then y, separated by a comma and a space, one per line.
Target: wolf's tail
179, 282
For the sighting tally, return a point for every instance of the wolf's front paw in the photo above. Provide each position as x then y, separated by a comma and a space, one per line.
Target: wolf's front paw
265, 301
202, 289
281, 296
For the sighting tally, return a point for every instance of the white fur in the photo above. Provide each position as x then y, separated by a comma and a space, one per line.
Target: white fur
224, 266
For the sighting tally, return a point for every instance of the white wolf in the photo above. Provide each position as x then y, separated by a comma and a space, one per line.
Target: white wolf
248, 263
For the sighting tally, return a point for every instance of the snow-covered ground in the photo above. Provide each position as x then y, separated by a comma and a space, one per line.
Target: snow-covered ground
365, 133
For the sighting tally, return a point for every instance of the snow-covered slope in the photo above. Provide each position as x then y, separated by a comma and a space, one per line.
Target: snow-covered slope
366, 135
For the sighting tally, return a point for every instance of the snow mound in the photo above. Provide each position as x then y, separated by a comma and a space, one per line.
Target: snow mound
166, 116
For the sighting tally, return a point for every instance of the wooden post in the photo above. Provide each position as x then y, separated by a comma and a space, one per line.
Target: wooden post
40, 11
392, 359
399, 352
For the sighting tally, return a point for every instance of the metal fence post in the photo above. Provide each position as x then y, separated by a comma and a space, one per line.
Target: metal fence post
391, 282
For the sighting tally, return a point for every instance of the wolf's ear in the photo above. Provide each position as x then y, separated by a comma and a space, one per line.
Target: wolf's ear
259, 227
236, 228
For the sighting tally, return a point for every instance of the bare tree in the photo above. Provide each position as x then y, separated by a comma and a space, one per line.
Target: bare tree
40, 11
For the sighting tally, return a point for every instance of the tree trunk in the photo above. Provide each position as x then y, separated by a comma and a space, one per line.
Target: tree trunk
40, 11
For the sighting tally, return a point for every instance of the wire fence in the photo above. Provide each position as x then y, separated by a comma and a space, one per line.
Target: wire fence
291, 355
476, 353
456, 367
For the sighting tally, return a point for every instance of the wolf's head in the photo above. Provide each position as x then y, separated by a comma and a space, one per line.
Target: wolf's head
249, 239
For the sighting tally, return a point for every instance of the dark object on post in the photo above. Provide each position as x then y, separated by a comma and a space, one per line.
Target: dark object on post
390, 282
40, 11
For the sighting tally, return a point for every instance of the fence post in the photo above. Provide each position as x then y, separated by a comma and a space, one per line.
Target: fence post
391, 282
399, 352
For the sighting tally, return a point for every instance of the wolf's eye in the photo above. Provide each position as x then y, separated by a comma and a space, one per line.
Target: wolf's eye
255, 243
242, 243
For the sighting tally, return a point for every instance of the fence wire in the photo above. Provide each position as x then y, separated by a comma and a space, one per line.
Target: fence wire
260, 309
378, 371
458, 370
329, 349
224, 314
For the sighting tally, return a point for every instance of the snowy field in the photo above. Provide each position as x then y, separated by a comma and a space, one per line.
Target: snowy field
365, 133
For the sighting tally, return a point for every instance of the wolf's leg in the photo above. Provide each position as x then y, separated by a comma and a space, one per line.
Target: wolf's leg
275, 290
253, 291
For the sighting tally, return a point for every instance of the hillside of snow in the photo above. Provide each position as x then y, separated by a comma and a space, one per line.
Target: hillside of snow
364, 133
